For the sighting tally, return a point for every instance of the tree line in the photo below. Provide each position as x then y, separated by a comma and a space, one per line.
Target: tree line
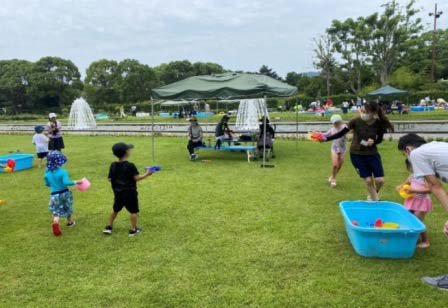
53, 83
359, 54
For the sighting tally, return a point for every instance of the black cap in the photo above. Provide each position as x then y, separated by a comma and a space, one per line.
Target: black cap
120, 149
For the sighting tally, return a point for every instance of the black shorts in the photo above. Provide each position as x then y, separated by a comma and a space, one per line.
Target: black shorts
56, 144
127, 199
42, 155
368, 165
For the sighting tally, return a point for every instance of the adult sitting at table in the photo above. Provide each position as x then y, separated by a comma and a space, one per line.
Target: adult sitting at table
268, 142
223, 132
194, 137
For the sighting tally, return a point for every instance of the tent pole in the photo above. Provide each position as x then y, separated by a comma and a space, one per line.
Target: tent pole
152, 129
264, 131
297, 125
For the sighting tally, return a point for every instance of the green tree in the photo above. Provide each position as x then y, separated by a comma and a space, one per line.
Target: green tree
207, 68
135, 81
405, 78
265, 70
391, 34
175, 71
418, 57
293, 78
101, 82
326, 61
54, 83
14, 82
349, 39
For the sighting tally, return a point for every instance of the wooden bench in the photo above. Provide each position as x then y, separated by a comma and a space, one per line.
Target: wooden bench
249, 149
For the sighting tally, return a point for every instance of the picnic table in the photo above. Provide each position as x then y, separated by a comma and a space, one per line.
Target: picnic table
248, 149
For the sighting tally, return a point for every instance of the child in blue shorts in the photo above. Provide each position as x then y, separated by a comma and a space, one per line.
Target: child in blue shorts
61, 198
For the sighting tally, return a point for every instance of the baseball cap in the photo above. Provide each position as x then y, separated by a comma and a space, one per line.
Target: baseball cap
193, 118
335, 118
120, 149
39, 128
52, 115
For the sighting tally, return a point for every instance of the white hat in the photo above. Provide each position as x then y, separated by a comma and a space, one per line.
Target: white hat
335, 118
52, 115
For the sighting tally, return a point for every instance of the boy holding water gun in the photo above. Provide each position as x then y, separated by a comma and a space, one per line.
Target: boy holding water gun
123, 176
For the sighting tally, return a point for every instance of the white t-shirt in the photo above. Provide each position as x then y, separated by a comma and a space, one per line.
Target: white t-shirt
431, 159
41, 142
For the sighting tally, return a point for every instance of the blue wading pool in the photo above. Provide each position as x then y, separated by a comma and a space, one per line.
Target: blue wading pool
422, 108
369, 241
23, 161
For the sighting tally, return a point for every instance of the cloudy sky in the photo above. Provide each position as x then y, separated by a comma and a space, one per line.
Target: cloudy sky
241, 34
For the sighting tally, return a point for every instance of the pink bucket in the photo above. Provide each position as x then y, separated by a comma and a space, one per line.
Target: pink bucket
84, 185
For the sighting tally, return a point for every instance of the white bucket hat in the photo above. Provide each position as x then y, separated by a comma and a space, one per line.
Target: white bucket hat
335, 118
52, 115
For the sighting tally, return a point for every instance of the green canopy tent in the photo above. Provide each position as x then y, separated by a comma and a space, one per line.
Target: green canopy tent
387, 91
226, 86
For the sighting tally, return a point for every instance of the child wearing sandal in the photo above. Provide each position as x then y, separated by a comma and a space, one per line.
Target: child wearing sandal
338, 148
420, 203
61, 198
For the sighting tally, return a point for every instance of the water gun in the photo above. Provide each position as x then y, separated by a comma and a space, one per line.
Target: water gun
317, 136
153, 168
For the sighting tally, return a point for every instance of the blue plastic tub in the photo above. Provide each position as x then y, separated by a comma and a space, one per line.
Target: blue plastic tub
23, 161
422, 108
376, 242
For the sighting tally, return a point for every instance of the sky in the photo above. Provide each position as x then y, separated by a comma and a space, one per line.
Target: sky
239, 35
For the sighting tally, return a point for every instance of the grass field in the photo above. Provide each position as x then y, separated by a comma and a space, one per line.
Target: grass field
227, 233
275, 116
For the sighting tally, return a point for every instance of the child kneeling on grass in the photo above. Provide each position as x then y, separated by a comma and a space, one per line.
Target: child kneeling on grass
61, 198
124, 176
420, 203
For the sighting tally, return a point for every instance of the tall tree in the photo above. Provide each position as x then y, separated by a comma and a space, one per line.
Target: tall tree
14, 83
265, 70
326, 61
175, 71
349, 38
55, 82
135, 81
391, 33
101, 82
292, 78
207, 68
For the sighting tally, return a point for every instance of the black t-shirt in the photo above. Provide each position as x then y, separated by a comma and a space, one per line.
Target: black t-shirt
121, 175
362, 131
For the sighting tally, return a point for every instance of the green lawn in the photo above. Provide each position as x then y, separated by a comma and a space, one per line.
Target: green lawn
226, 233
275, 116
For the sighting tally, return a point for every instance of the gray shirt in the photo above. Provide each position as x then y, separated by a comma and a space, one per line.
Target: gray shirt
195, 132
431, 159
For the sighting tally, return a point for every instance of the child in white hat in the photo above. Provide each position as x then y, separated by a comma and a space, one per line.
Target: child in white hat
338, 148
54, 133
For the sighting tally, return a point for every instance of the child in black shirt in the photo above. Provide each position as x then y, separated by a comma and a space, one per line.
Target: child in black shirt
124, 176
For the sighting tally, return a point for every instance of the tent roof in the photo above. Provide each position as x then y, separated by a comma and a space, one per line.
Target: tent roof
224, 86
387, 90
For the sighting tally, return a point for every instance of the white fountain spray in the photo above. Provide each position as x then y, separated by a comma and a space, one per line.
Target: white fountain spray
249, 114
81, 116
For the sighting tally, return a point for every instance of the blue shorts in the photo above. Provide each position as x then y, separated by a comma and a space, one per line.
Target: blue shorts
368, 165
